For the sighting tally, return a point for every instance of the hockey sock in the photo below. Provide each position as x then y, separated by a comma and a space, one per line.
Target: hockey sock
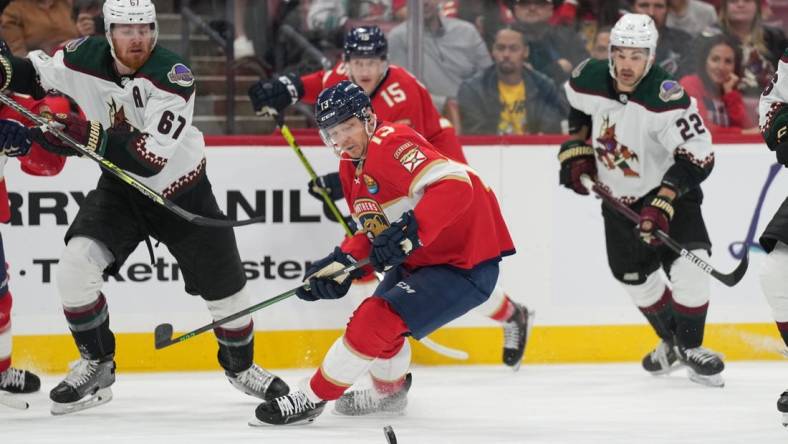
236, 347
374, 330
5, 328
690, 323
89, 325
389, 369
783, 328
660, 316
505, 311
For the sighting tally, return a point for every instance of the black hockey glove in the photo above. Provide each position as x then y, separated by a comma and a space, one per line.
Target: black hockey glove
777, 136
278, 93
577, 158
15, 138
330, 183
323, 288
89, 133
393, 246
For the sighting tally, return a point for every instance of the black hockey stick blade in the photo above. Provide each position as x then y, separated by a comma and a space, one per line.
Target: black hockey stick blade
162, 336
163, 332
737, 274
121, 174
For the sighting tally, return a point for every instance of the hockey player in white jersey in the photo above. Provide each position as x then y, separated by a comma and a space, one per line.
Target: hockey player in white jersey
637, 133
773, 112
139, 101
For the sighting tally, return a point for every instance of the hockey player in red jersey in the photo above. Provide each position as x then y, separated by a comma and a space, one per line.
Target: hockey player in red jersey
431, 224
34, 160
397, 97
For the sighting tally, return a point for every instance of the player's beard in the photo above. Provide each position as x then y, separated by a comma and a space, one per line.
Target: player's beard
133, 60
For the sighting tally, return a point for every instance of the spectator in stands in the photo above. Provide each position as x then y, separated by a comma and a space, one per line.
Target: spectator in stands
586, 16
691, 16
242, 46
328, 15
673, 43
37, 24
453, 52
487, 15
600, 44
509, 97
553, 50
87, 16
715, 85
761, 45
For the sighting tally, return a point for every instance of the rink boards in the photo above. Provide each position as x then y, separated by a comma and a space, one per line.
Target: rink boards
560, 270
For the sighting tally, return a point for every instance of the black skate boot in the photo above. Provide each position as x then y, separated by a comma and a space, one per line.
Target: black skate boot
662, 360
703, 365
516, 330
14, 380
256, 381
294, 408
782, 407
365, 402
86, 385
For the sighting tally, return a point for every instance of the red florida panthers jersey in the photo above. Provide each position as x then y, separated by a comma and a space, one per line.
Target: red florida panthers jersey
37, 162
399, 98
460, 222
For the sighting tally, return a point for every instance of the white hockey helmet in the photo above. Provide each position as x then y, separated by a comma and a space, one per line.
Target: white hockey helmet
634, 31
129, 12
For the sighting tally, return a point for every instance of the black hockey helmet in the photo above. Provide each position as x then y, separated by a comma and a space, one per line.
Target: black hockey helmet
366, 41
339, 103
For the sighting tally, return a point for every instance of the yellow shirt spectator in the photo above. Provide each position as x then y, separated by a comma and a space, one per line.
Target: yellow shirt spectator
513, 113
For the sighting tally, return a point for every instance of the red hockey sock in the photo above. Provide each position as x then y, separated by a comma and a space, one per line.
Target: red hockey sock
505, 311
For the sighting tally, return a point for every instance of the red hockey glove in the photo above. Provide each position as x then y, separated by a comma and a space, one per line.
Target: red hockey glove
655, 215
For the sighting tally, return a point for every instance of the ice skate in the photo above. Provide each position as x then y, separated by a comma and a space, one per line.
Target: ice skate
368, 401
291, 409
256, 381
516, 330
86, 385
782, 407
703, 365
662, 360
16, 381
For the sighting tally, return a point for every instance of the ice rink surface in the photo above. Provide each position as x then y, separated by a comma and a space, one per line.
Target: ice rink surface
610, 403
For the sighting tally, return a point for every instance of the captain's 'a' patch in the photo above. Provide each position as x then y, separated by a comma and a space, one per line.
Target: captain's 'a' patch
670, 90
181, 75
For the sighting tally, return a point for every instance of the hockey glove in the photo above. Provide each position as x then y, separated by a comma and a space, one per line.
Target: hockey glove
330, 183
323, 288
577, 158
277, 94
14, 138
89, 133
655, 215
393, 246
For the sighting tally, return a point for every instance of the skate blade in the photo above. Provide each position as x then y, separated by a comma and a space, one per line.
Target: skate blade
102, 396
707, 380
13, 402
785, 419
257, 423
676, 366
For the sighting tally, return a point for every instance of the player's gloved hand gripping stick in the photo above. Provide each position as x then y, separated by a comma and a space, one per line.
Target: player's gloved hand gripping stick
123, 175
729, 279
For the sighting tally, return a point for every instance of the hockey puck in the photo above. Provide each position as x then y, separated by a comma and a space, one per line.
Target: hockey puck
391, 438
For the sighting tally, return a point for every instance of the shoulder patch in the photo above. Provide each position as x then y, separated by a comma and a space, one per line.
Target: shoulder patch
181, 75
670, 90
412, 159
579, 68
72, 45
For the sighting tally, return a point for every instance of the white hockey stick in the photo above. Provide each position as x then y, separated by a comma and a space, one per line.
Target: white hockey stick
460, 355
13, 402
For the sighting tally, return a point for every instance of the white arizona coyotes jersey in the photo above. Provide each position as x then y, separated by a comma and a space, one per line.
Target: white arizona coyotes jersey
158, 100
775, 95
636, 136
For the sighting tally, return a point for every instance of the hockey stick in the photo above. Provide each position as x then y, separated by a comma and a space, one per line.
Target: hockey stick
123, 175
14, 403
162, 335
729, 279
460, 355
